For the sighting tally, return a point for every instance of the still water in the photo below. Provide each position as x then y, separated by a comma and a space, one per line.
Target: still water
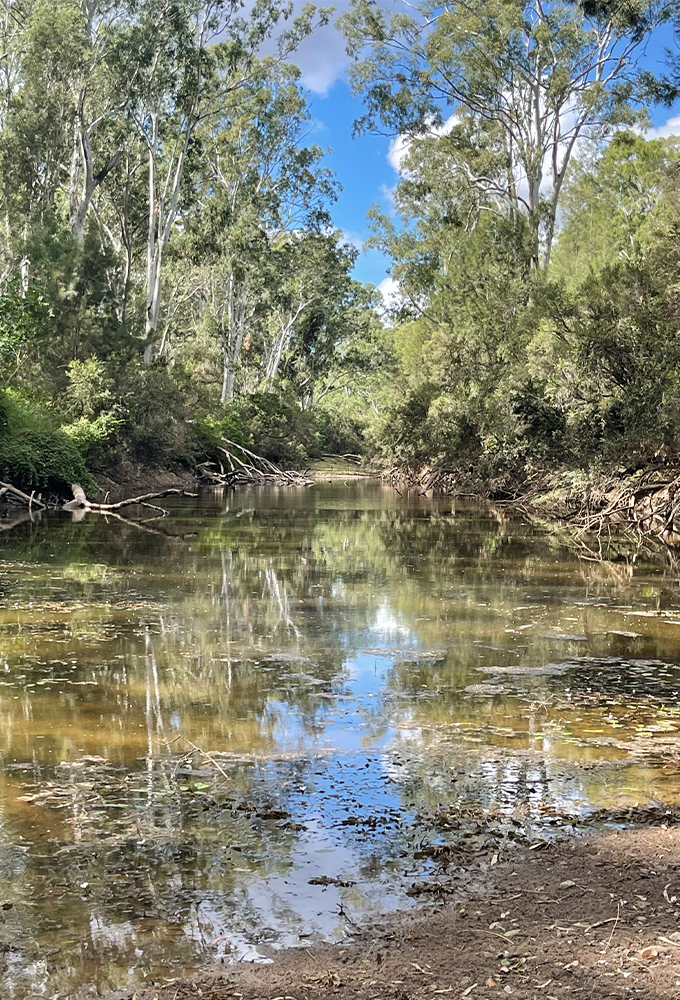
225, 730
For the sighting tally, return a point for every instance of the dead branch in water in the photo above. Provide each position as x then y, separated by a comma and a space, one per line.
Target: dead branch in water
648, 503
19, 496
81, 502
422, 481
247, 469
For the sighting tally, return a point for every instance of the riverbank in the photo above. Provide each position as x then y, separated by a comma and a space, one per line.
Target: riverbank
646, 500
595, 916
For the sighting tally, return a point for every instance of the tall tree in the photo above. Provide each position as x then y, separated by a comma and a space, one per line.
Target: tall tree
258, 181
184, 60
538, 75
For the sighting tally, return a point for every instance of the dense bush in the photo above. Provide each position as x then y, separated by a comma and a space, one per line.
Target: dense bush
35, 454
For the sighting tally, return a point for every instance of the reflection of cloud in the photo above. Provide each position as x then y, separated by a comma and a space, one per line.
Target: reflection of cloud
386, 621
107, 935
665, 131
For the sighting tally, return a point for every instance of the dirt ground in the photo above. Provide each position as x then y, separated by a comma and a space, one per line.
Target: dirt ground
590, 917
133, 482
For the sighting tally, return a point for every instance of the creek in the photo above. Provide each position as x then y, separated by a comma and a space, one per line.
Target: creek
233, 729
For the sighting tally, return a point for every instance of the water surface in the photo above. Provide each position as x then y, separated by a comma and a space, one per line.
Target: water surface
219, 730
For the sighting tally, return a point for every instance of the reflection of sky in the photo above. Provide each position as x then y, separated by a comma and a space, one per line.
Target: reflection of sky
257, 654
389, 625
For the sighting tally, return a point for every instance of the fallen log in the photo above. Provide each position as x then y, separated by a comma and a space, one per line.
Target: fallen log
80, 501
247, 469
18, 494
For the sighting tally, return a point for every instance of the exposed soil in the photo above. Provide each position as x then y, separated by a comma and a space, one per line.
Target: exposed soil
133, 482
592, 917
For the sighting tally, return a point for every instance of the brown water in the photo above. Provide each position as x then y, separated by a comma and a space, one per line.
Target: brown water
201, 714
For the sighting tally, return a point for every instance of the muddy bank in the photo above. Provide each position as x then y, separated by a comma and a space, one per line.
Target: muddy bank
131, 482
595, 916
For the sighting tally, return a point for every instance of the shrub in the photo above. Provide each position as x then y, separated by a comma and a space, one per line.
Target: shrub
35, 454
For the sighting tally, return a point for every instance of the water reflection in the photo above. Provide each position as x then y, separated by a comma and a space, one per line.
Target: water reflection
195, 724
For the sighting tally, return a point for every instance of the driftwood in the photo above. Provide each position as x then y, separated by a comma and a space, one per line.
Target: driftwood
80, 501
646, 503
82, 504
245, 468
19, 496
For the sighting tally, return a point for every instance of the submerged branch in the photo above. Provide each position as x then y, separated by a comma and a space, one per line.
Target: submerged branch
18, 495
647, 502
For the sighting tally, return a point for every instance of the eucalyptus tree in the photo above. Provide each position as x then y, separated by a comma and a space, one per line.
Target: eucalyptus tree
184, 60
267, 182
59, 94
98, 100
538, 75
13, 17
259, 181
315, 313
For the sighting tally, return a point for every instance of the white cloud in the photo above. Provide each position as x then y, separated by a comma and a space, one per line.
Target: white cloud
389, 289
322, 59
354, 239
399, 147
665, 131
400, 144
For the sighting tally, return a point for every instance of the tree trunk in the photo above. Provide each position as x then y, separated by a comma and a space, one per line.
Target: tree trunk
227, 394
83, 181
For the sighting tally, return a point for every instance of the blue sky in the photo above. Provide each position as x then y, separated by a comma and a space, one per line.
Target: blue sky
361, 164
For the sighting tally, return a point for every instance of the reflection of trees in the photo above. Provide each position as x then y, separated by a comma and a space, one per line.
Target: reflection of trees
146, 849
239, 639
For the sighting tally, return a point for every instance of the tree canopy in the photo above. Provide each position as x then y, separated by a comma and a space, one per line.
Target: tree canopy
171, 277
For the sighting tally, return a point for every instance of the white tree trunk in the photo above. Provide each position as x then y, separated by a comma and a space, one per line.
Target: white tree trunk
236, 329
282, 342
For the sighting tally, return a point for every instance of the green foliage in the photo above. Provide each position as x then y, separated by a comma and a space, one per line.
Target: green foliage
90, 388
156, 424
35, 454
147, 341
23, 316
610, 212
514, 83
94, 437
127, 338
503, 368
215, 428
274, 425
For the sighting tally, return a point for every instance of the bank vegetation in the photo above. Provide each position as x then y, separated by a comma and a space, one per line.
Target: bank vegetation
172, 286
